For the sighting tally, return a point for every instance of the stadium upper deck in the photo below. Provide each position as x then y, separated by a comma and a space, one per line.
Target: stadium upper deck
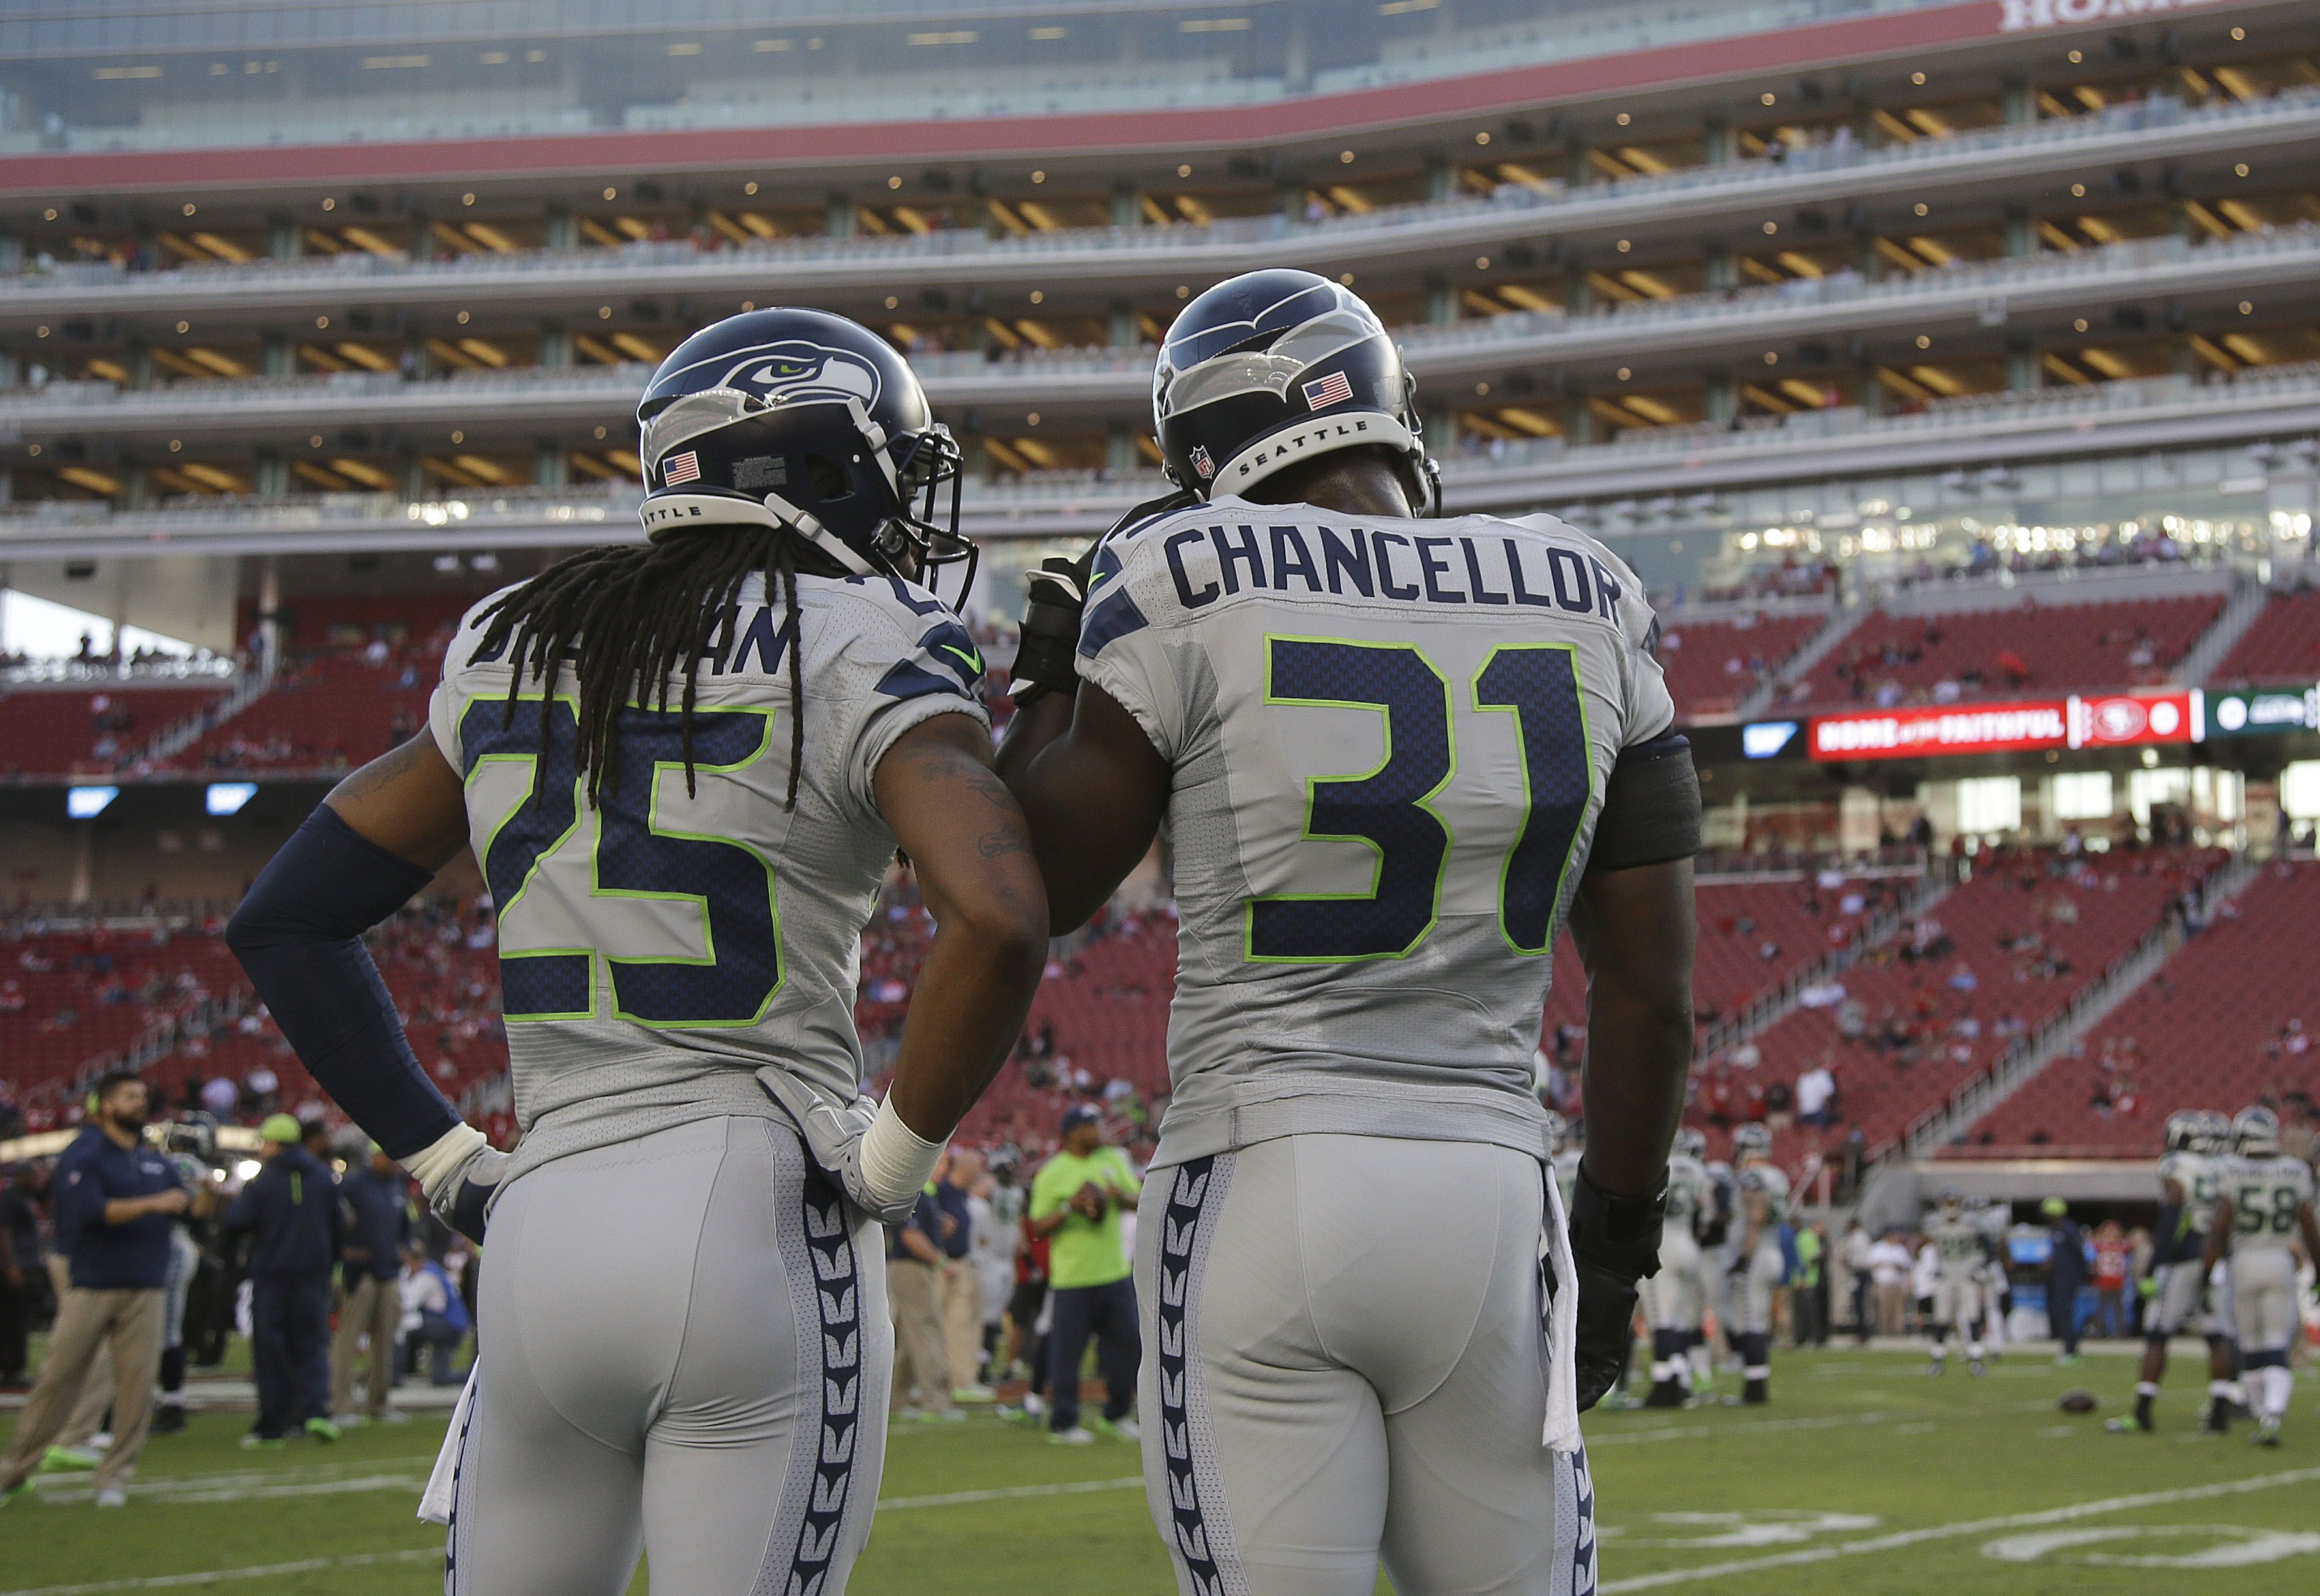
293, 277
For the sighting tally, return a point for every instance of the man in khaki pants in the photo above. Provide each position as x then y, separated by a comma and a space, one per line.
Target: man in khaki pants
114, 1199
376, 1210
959, 1285
915, 1296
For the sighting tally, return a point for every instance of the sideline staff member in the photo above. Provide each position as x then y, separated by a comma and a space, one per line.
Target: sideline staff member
293, 1206
1076, 1200
115, 1198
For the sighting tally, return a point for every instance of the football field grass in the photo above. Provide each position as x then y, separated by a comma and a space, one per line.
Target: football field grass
1863, 1476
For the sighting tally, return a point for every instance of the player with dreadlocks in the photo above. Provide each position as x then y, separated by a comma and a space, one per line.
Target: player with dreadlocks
684, 768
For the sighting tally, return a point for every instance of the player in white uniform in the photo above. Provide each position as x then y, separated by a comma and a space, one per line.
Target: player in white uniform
1714, 1226
1754, 1265
684, 767
1961, 1250
2263, 1205
1992, 1218
1676, 1298
1393, 754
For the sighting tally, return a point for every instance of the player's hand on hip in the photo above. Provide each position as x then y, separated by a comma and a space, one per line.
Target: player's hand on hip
834, 1134
470, 1191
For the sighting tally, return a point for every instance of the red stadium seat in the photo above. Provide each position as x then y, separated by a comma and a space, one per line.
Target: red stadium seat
2282, 646
2230, 1017
2021, 650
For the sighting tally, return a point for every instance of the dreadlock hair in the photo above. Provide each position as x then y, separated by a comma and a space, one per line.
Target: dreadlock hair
633, 617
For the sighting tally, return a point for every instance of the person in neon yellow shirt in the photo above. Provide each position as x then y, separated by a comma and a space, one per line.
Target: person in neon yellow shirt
1075, 1203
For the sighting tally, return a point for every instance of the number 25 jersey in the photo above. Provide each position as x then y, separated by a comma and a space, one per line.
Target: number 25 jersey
1390, 743
657, 948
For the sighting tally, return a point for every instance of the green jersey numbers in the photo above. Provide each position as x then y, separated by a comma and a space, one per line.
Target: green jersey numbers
1392, 807
646, 851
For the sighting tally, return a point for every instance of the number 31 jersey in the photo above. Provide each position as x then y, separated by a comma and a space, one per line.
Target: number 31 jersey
659, 948
1390, 743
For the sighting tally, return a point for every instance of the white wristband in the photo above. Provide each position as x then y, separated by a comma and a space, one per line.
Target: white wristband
434, 1165
896, 1160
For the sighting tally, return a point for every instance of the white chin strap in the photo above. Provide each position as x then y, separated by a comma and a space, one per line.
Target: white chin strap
670, 512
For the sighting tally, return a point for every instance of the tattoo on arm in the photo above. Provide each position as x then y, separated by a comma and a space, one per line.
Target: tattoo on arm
993, 845
383, 771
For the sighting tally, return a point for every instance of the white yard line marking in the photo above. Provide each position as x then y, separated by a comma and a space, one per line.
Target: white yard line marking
163, 1484
216, 1576
322, 1565
166, 1490
1693, 1432
1911, 1537
951, 1499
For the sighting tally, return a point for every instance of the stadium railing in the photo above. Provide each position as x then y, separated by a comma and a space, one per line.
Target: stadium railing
1814, 174
1986, 293
1970, 429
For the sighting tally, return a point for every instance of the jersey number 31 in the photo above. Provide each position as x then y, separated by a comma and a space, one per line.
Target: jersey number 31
1389, 808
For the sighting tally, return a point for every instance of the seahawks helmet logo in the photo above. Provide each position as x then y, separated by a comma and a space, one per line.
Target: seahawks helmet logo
795, 371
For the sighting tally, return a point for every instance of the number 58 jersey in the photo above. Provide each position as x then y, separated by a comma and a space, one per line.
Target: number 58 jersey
657, 947
1390, 743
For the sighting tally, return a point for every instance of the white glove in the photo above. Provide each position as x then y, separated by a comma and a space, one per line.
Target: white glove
881, 1163
459, 1173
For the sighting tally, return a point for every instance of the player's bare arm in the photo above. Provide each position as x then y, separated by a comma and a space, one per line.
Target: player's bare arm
1635, 930
965, 837
1094, 790
2219, 1238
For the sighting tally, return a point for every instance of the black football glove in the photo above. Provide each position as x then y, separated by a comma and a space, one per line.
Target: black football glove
1615, 1241
1046, 654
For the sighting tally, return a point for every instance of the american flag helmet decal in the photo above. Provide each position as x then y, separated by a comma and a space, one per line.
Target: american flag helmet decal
1321, 393
680, 468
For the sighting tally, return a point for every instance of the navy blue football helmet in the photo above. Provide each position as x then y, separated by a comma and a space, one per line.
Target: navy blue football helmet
801, 420
1274, 366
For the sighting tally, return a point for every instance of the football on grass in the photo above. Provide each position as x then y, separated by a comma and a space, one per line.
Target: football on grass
2078, 1402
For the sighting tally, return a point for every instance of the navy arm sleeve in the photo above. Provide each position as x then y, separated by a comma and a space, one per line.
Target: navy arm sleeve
298, 933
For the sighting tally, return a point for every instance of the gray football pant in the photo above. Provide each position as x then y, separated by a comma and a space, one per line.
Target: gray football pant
684, 1346
1345, 1364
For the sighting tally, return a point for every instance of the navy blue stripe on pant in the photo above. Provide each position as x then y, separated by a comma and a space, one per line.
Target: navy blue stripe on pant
1107, 1312
290, 1348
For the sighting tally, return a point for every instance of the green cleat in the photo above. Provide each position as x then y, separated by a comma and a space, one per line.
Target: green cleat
322, 1430
69, 1460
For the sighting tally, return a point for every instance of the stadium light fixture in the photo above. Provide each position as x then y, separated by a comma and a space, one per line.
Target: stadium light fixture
85, 803
225, 798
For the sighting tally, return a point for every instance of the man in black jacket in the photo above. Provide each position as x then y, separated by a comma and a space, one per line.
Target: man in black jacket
291, 1209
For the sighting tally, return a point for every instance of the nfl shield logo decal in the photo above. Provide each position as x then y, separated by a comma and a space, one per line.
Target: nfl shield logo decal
1206, 466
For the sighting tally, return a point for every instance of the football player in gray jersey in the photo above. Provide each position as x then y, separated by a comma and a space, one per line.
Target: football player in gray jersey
1393, 756
1754, 1265
1676, 1298
2262, 1207
1962, 1252
684, 766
